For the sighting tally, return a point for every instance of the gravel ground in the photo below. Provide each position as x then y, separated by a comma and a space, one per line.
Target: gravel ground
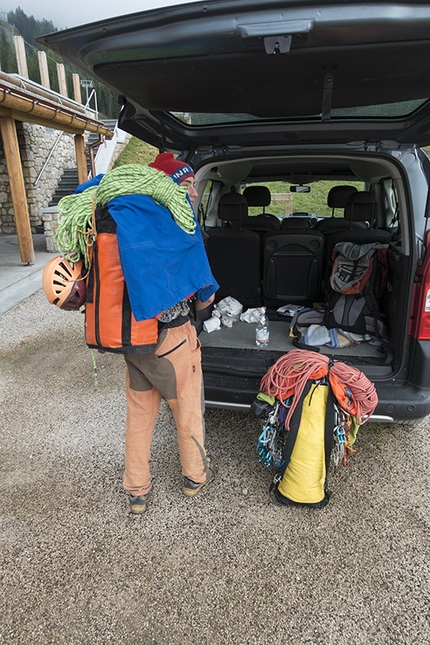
225, 567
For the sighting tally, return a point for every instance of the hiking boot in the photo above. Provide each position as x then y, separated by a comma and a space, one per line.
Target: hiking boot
191, 488
137, 504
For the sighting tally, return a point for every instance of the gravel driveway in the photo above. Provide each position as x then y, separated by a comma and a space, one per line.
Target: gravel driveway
227, 567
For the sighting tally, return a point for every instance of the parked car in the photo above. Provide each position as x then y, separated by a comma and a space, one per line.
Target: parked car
298, 93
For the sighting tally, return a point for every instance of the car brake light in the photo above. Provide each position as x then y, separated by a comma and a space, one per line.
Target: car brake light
422, 311
423, 328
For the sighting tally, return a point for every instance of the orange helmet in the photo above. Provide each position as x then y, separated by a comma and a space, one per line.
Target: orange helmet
64, 284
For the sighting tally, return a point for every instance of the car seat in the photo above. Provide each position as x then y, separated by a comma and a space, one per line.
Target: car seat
259, 196
292, 267
336, 198
235, 253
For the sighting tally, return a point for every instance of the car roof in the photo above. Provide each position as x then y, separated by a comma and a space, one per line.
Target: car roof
229, 73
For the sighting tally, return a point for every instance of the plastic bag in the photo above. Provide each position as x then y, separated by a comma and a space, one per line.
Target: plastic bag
252, 315
228, 310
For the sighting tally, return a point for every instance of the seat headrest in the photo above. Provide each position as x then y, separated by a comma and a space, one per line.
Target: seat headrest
232, 207
338, 196
296, 223
261, 222
257, 196
361, 207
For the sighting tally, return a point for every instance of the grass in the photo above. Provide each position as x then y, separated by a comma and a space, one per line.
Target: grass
313, 202
136, 151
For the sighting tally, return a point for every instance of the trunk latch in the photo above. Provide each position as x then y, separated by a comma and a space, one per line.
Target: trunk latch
277, 44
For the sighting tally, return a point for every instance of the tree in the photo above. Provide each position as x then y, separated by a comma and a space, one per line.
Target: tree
30, 28
7, 51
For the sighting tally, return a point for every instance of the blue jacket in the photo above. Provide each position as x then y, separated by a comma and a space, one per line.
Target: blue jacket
161, 263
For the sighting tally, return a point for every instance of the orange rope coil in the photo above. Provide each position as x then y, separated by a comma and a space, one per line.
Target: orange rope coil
352, 389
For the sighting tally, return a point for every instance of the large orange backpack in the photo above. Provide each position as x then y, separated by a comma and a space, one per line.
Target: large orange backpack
109, 322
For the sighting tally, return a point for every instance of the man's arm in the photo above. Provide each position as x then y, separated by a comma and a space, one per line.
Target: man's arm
199, 304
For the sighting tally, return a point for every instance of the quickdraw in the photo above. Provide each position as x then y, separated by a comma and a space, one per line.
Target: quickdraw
272, 440
342, 448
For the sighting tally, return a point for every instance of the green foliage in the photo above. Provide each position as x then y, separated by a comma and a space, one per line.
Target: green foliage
7, 51
28, 27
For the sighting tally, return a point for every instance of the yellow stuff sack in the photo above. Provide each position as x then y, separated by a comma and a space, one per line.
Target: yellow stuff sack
303, 476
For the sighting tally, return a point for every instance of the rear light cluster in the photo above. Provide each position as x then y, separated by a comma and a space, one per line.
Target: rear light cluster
423, 328
421, 309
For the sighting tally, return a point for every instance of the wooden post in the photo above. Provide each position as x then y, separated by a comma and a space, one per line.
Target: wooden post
61, 79
77, 88
20, 56
81, 158
17, 189
43, 68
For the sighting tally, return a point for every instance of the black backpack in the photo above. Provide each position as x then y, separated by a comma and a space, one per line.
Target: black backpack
357, 281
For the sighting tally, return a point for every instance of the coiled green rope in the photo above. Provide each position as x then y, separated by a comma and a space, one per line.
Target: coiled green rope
75, 211
74, 222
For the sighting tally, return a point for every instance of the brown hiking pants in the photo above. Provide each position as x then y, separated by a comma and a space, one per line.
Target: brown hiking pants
172, 371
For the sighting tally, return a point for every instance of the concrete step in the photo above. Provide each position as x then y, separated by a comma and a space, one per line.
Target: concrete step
19, 281
20, 290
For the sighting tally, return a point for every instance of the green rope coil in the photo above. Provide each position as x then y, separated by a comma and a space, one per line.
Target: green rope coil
75, 211
74, 220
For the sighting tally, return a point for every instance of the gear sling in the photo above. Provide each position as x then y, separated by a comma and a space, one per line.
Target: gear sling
109, 321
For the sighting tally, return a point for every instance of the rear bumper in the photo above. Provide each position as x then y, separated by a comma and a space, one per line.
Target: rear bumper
396, 402
402, 402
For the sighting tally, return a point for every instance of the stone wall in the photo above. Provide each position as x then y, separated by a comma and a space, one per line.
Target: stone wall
35, 144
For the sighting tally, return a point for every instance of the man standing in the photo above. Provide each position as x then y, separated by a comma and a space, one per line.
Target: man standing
147, 270
173, 372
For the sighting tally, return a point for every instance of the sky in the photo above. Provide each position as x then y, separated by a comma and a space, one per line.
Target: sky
70, 13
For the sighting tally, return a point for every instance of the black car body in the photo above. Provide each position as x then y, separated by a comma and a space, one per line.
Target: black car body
299, 92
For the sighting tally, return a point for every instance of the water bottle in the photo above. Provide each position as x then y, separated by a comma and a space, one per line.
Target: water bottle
262, 330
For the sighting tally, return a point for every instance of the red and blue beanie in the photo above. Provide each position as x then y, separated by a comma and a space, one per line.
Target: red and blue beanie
177, 170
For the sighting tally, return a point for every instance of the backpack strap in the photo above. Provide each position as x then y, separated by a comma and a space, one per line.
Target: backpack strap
298, 342
304, 318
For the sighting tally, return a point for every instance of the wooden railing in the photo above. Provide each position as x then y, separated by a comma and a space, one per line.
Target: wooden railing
21, 61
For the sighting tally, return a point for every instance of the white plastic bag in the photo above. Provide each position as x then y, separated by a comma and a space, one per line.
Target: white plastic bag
229, 310
252, 315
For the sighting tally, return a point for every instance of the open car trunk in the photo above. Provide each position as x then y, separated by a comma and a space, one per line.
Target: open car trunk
233, 365
294, 92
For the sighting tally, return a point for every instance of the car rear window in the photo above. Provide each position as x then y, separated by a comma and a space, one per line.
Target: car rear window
384, 111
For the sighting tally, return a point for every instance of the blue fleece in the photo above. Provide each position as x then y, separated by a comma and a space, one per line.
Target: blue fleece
162, 264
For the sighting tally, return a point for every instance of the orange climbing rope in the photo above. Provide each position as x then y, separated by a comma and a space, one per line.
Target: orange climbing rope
354, 393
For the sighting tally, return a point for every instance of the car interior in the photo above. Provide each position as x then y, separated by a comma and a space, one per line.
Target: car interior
263, 258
